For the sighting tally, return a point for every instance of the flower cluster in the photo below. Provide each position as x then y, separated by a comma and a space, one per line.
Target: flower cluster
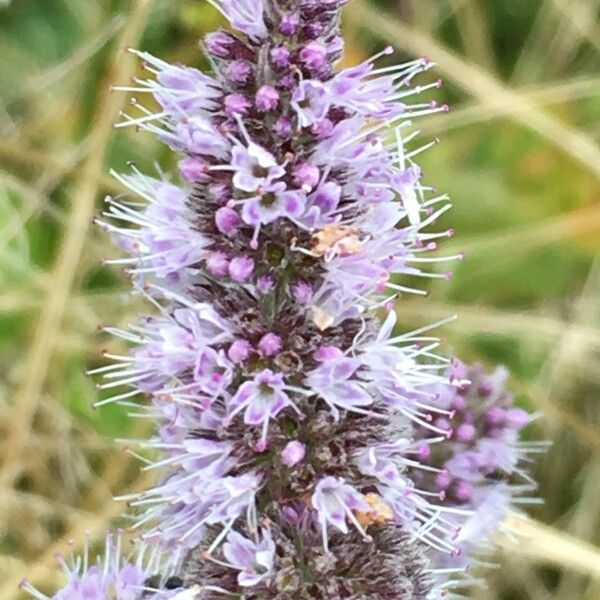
481, 467
304, 448
149, 575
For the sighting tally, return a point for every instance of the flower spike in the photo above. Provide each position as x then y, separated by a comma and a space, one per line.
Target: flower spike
303, 448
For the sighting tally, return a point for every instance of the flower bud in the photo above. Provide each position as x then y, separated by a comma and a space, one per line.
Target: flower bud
289, 24
217, 264
293, 453
313, 55
267, 98
227, 220
270, 344
237, 104
239, 351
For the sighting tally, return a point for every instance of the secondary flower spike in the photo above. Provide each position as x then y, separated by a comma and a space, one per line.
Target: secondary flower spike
482, 467
304, 448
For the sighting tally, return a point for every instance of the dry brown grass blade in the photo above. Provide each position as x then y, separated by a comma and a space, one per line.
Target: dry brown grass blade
111, 476
549, 94
524, 239
583, 18
474, 29
585, 432
583, 518
542, 543
558, 372
27, 155
65, 269
475, 319
483, 86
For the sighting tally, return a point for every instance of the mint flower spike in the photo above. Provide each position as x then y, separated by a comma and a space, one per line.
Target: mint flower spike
303, 449
150, 574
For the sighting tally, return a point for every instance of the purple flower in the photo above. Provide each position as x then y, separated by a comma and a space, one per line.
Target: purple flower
323, 129
327, 197
283, 127
274, 203
327, 353
381, 461
345, 146
261, 399
245, 15
193, 170
166, 245
184, 504
481, 464
314, 30
186, 90
311, 102
113, 577
287, 82
335, 383
302, 292
254, 559
170, 346
362, 268
387, 464
265, 284
374, 97
254, 167
212, 372
197, 135
336, 502
321, 205
181, 91
204, 458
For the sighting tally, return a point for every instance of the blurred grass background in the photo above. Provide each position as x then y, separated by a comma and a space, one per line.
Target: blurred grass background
519, 155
